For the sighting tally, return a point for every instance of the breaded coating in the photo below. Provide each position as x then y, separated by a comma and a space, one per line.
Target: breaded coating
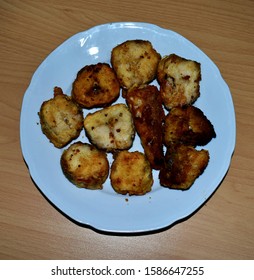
148, 115
85, 166
179, 81
189, 126
131, 173
183, 165
61, 119
95, 86
110, 128
135, 63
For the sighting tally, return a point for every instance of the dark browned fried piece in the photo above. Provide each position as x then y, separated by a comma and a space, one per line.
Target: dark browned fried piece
61, 119
189, 126
95, 86
148, 115
183, 165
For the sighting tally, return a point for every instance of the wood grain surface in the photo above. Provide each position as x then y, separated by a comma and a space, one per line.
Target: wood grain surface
30, 227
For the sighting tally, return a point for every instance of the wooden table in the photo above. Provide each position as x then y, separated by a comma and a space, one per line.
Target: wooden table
30, 227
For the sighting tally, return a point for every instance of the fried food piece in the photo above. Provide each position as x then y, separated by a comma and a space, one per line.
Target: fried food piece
85, 166
135, 63
95, 86
183, 165
179, 80
110, 128
131, 173
148, 115
61, 119
189, 126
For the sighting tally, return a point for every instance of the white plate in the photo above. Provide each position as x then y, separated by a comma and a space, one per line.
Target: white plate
104, 209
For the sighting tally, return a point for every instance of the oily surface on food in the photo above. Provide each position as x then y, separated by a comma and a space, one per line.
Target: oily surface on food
187, 125
183, 165
146, 107
95, 86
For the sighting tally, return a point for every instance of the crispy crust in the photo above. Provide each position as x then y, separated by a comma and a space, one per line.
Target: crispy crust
189, 126
110, 128
179, 81
85, 166
131, 173
183, 165
135, 63
146, 107
95, 86
61, 119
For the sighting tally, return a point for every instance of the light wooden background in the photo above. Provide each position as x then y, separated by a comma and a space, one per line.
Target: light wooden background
31, 228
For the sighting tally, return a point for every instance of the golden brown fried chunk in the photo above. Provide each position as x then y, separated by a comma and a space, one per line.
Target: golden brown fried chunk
135, 63
179, 81
85, 166
131, 173
110, 128
61, 119
95, 86
183, 164
189, 126
148, 115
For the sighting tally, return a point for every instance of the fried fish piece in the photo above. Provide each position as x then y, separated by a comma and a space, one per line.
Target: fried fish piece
85, 166
183, 165
110, 128
148, 115
61, 119
135, 62
131, 173
179, 80
96, 85
187, 125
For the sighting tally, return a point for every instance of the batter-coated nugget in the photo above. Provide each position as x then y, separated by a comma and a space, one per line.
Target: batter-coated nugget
148, 115
61, 119
183, 165
131, 173
187, 125
85, 166
135, 63
179, 80
110, 128
95, 86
